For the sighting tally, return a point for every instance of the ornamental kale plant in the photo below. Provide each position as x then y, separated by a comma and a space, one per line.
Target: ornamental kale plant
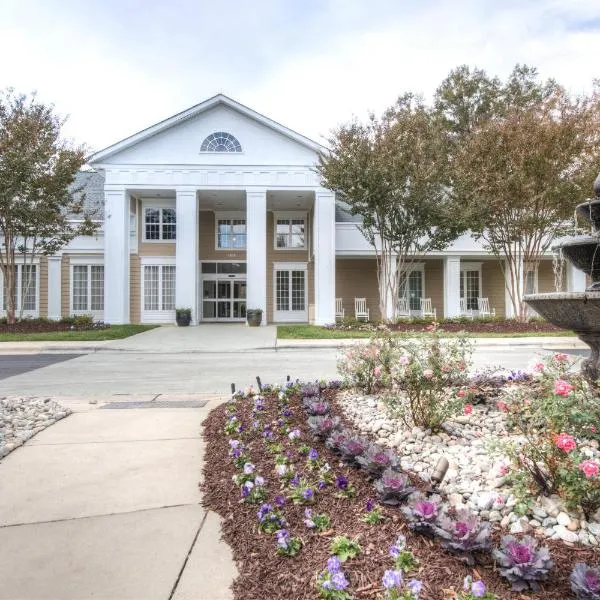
393, 487
474, 589
464, 535
286, 544
585, 582
344, 548
336, 438
522, 563
322, 426
352, 447
404, 559
422, 513
270, 519
316, 407
376, 459
332, 582
310, 390
318, 522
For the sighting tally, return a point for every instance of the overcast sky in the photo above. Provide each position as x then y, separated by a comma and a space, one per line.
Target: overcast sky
117, 66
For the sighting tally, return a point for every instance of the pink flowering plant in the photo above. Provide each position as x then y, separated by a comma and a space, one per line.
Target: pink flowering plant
427, 378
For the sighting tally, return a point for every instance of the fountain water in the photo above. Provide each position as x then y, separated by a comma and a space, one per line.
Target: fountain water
579, 311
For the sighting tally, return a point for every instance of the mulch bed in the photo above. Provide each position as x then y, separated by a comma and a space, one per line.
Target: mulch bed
264, 575
35, 326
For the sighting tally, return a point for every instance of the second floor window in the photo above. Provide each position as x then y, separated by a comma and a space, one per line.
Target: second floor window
290, 233
160, 224
231, 234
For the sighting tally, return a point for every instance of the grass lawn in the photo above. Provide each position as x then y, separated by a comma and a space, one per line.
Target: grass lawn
315, 332
114, 332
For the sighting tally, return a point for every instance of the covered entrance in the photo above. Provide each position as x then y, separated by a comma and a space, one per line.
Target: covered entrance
224, 287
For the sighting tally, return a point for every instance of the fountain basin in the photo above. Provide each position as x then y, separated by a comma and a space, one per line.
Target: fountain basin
584, 252
577, 311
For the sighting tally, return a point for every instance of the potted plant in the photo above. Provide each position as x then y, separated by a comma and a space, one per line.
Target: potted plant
183, 316
254, 316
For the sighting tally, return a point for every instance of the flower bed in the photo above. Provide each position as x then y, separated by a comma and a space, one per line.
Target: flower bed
320, 494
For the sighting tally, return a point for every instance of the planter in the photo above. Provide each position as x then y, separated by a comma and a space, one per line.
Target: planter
183, 317
254, 317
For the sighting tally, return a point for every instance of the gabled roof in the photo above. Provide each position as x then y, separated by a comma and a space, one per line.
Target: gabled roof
192, 112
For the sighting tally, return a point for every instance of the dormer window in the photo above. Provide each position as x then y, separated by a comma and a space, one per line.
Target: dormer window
220, 141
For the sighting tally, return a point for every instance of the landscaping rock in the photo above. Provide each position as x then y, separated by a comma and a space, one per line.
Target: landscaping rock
564, 534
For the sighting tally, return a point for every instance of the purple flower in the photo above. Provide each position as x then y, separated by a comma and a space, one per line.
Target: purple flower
326, 585
246, 489
258, 480
255, 424
398, 547
308, 494
234, 444
339, 581
294, 434
333, 564
415, 586
392, 579
313, 454
342, 482
322, 484
478, 589
286, 412
248, 468
370, 505
236, 453
263, 511
280, 501
295, 480
308, 520
280, 470
282, 538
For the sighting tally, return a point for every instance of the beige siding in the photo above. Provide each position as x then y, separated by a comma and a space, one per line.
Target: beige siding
492, 283
357, 278
152, 248
65, 283
135, 289
208, 241
43, 301
274, 256
546, 277
434, 285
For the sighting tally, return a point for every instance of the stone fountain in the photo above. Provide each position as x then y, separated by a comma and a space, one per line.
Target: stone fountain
579, 311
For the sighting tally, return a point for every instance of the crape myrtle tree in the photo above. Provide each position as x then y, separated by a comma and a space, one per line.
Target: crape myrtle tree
39, 212
523, 155
391, 171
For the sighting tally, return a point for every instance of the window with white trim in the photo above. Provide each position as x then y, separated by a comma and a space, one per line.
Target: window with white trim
470, 287
26, 289
87, 293
231, 234
412, 287
290, 233
160, 224
159, 287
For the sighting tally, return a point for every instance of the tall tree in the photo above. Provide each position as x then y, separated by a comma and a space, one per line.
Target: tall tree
39, 212
520, 162
391, 172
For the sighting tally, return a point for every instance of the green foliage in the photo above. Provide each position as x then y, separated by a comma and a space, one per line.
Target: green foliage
423, 376
373, 517
37, 208
344, 548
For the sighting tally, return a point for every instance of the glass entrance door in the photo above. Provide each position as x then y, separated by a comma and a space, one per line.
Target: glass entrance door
224, 299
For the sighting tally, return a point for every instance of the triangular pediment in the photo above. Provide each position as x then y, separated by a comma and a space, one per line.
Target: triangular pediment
179, 140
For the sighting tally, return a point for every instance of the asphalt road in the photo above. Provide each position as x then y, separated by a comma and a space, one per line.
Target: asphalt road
107, 373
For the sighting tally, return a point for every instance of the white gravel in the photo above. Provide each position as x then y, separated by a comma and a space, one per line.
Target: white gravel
22, 418
474, 478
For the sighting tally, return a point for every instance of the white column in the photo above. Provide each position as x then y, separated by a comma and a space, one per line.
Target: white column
186, 252
324, 248
54, 287
451, 286
116, 256
576, 280
256, 250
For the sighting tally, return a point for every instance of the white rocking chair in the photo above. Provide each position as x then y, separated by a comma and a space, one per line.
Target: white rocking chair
403, 308
464, 311
426, 308
483, 306
339, 309
360, 309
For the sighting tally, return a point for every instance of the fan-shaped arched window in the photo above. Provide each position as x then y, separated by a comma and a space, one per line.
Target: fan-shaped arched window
220, 142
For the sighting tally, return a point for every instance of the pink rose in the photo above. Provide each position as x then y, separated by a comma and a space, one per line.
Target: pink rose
562, 388
403, 360
565, 442
590, 468
468, 409
446, 369
560, 357
503, 470
539, 366
377, 371
502, 406
428, 374
461, 393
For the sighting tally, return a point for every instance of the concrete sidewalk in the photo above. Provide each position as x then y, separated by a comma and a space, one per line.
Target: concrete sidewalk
105, 504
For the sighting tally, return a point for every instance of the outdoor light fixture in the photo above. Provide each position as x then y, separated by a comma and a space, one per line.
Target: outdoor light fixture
440, 471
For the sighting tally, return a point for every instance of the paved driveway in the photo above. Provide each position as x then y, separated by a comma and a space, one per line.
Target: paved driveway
15, 364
